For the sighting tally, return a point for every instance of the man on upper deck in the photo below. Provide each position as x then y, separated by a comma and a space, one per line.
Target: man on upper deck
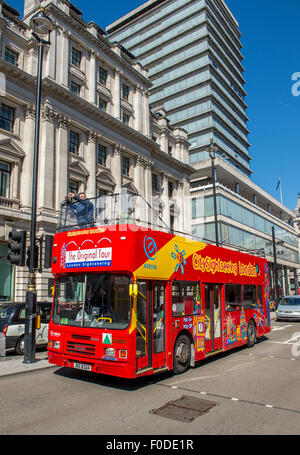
82, 208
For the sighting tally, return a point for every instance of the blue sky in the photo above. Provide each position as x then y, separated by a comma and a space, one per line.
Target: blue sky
270, 37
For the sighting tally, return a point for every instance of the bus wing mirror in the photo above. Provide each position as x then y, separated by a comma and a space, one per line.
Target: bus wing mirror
133, 290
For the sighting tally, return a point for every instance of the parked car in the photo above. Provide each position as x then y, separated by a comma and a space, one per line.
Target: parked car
12, 324
288, 308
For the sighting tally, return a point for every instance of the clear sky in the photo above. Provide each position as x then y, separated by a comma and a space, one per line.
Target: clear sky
271, 48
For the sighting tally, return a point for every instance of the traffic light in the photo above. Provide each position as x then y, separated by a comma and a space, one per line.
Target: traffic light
17, 247
36, 256
48, 251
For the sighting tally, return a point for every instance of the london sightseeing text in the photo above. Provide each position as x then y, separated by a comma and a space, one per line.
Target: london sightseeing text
132, 301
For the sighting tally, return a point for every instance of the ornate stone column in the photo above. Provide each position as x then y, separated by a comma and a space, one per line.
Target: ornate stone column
116, 95
46, 171
146, 113
50, 69
28, 145
92, 137
138, 113
141, 210
61, 188
165, 198
117, 167
63, 61
93, 77
148, 188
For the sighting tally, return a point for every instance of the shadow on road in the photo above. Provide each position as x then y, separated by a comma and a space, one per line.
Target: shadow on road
138, 383
111, 381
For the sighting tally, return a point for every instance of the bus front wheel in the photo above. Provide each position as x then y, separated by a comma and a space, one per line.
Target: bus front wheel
251, 334
182, 354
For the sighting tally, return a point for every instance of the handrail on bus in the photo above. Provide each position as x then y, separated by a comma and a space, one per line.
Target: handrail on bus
109, 319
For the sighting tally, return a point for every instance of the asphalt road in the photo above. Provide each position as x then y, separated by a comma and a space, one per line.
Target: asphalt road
250, 391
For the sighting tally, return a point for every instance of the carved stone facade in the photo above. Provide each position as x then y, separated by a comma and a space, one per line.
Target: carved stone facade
97, 133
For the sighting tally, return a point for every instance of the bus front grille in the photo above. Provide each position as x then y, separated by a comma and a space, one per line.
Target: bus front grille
81, 348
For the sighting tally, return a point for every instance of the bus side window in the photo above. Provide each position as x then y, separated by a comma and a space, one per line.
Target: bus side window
233, 297
177, 299
259, 296
189, 298
249, 296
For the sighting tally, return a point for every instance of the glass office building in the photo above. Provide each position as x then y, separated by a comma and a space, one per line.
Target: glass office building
192, 52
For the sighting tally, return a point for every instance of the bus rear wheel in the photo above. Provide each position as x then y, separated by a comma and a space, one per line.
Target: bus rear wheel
251, 334
182, 354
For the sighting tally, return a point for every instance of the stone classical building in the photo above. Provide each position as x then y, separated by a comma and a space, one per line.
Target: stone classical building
97, 133
192, 51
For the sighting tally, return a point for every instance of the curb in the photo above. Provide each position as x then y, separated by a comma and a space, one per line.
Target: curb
11, 367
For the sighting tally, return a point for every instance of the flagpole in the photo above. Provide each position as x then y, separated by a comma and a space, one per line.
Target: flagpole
279, 185
280, 192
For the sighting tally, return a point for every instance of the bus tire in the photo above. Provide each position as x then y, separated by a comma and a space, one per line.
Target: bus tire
251, 334
182, 354
20, 346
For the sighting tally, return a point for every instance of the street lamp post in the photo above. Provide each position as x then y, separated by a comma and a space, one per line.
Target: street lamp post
276, 290
41, 26
212, 153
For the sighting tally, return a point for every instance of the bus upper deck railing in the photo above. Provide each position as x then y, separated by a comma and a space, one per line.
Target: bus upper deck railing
130, 209
122, 208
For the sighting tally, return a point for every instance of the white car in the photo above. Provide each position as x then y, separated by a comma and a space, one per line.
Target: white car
12, 324
288, 308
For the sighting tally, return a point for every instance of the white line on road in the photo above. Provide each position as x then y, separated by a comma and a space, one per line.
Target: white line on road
276, 327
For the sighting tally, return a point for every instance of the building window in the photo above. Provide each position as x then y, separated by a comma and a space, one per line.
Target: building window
102, 76
125, 165
75, 88
73, 186
11, 57
125, 118
101, 192
74, 143
4, 179
76, 57
170, 189
7, 115
102, 105
102, 155
125, 92
154, 182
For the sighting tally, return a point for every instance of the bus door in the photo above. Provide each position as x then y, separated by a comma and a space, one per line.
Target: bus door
150, 334
213, 335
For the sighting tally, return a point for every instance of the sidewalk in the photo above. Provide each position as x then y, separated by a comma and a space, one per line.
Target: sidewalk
14, 365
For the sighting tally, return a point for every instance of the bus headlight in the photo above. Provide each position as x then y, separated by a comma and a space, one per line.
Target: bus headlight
109, 352
56, 344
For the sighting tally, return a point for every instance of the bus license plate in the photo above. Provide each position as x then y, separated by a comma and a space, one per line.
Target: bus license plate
82, 366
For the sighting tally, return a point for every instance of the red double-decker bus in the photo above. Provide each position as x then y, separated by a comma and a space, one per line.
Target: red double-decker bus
131, 301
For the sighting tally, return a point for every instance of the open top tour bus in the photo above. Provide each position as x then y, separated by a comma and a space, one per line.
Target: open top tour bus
132, 301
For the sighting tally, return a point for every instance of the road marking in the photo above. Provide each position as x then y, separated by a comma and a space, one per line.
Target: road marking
240, 400
282, 342
198, 378
277, 327
293, 338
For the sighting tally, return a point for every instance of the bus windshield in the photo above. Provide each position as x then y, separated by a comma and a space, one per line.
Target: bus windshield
93, 300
